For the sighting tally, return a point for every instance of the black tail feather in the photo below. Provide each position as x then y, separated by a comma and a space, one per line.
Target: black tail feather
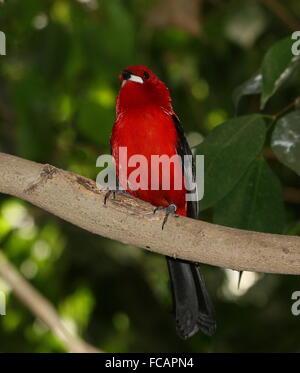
193, 307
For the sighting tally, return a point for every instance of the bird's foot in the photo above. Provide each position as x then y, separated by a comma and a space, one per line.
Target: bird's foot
171, 209
112, 193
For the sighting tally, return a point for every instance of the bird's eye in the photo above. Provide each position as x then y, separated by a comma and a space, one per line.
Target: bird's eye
146, 75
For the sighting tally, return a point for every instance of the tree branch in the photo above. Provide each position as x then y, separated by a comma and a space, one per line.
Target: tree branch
78, 200
282, 13
41, 307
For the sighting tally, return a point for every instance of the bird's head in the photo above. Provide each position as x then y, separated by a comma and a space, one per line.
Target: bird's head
140, 87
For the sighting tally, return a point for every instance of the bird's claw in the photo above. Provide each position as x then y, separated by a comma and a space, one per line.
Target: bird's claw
113, 193
108, 194
171, 209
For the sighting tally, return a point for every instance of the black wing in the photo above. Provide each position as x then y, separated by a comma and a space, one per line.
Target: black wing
182, 149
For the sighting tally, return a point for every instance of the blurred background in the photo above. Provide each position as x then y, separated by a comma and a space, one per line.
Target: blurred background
58, 85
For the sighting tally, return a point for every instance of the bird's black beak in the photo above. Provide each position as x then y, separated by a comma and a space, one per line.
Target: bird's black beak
126, 74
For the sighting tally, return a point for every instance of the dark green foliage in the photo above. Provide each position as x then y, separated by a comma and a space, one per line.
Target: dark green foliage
228, 149
277, 67
255, 203
286, 140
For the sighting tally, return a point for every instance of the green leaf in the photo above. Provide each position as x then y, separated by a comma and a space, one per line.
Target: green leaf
285, 140
277, 66
229, 149
251, 86
255, 203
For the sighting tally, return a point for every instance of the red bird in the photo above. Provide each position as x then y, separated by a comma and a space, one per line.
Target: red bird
146, 124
